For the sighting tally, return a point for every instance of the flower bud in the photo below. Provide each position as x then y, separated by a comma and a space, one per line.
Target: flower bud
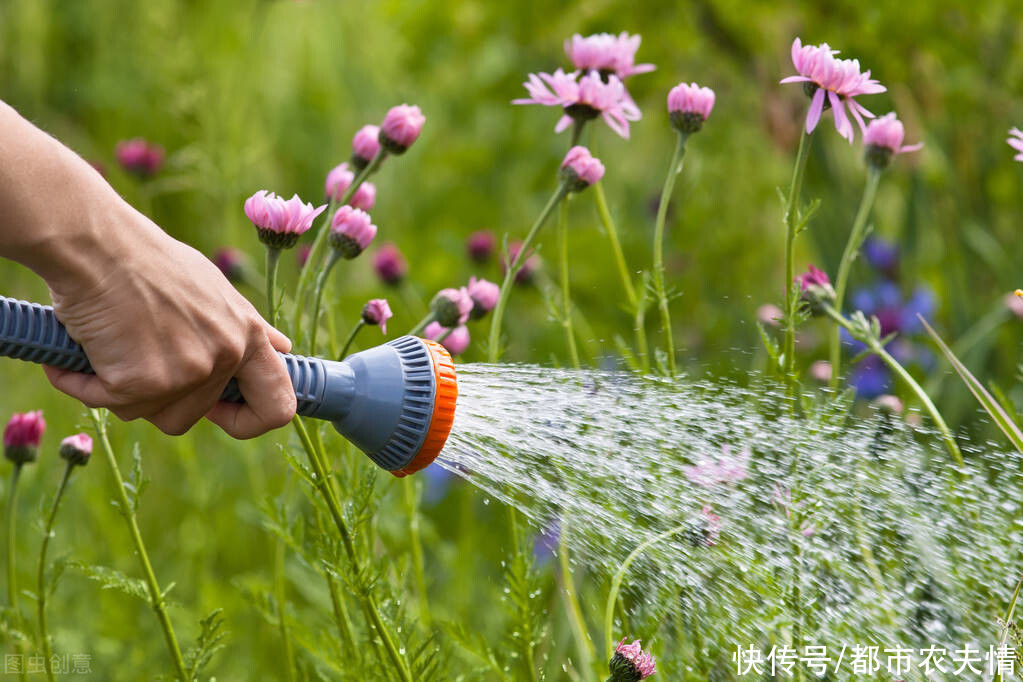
630, 663
529, 265
451, 307
351, 231
377, 312
689, 106
480, 245
340, 178
816, 288
231, 262
365, 146
390, 266
22, 436
401, 127
139, 157
76, 449
883, 139
580, 169
484, 296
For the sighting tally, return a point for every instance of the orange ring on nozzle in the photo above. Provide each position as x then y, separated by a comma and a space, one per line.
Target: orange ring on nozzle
445, 397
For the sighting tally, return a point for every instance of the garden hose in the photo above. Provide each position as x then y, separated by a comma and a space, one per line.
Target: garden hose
395, 402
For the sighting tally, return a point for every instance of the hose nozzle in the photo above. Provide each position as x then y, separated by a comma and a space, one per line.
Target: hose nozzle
395, 402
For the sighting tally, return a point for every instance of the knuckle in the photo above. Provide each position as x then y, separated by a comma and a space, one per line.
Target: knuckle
171, 427
231, 353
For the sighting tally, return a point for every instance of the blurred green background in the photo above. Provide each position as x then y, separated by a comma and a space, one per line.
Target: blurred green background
249, 95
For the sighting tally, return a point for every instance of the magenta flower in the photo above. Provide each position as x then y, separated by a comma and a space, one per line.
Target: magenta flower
401, 127
480, 245
689, 106
607, 54
837, 80
351, 231
813, 276
580, 169
340, 178
231, 262
582, 99
456, 342
389, 264
76, 449
451, 307
377, 312
484, 296
139, 157
22, 436
1015, 141
365, 146
631, 663
883, 139
725, 469
816, 288
280, 223
529, 265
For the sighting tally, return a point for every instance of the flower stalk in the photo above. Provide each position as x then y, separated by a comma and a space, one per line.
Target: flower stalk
674, 169
791, 218
852, 248
566, 296
359, 324
273, 258
41, 589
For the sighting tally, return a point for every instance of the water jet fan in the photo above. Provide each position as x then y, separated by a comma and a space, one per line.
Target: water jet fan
395, 402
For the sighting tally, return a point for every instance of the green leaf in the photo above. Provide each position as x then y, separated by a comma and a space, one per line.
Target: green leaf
112, 579
987, 401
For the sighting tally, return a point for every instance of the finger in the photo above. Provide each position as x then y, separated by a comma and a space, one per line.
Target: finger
85, 387
179, 416
277, 338
269, 397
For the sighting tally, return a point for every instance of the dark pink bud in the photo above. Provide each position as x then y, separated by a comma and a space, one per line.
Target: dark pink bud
76, 449
22, 436
391, 267
139, 157
480, 245
231, 262
527, 268
452, 306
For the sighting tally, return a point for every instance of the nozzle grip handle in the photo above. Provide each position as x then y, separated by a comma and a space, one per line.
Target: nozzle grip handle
32, 332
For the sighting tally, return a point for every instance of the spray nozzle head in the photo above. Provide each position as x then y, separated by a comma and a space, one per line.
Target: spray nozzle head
395, 402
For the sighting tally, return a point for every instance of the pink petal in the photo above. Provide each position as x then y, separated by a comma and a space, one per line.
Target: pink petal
619, 126
794, 79
842, 124
816, 107
911, 147
563, 123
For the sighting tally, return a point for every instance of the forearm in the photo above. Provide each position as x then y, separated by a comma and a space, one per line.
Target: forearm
55, 209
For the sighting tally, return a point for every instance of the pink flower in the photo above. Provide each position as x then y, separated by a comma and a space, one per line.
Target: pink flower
889, 403
390, 266
456, 342
529, 265
280, 223
838, 80
451, 307
581, 169
630, 661
816, 288
484, 296
480, 245
340, 178
583, 98
351, 231
365, 146
725, 469
813, 276
377, 312
607, 54
139, 157
231, 262
769, 314
689, 106
820, 370
22, 436
76, 449
401, 127
883, 139
1015, 141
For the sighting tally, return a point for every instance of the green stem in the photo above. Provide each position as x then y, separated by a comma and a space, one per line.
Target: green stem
273, 257
415, 540
791, 294
326, 490
321, 235
445, 334
156, 600
494, 351
351, 338
321, 284
418, 329
619, 576
852, 248
44, 633
875, 347
636, 307
566, 295
577, 130
280, 595
12, 578
575, 613
658, 275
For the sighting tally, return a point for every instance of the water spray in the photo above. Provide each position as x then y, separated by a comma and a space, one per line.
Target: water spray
395, 402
